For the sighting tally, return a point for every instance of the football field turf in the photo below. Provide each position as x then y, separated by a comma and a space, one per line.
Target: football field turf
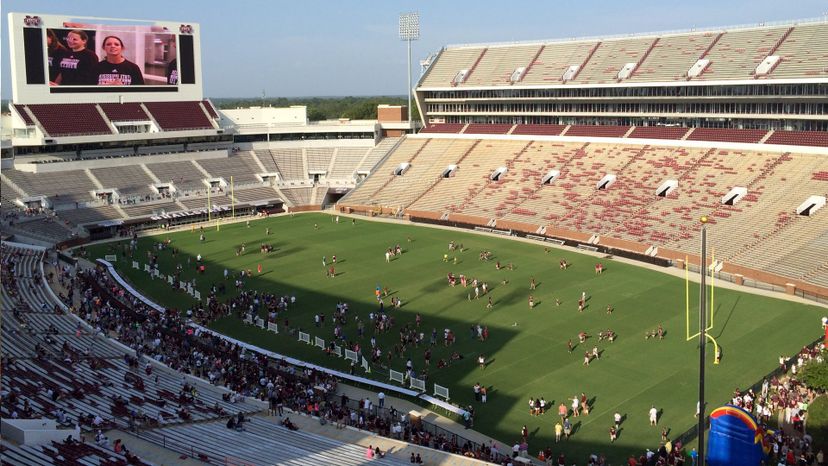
526, 350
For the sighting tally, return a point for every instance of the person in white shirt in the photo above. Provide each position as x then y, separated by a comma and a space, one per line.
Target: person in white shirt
653, 416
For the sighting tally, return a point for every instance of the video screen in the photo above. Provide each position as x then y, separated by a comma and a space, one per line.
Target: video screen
95, 57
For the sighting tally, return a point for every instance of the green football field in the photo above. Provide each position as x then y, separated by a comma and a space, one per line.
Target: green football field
526, 350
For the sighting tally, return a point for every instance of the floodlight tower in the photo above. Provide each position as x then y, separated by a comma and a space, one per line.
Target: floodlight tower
409, 30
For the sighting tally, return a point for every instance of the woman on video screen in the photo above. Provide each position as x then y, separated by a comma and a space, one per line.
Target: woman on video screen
115, 70
56, 51
76, 64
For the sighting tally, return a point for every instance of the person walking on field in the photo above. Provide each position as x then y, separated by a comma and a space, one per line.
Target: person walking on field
653, 416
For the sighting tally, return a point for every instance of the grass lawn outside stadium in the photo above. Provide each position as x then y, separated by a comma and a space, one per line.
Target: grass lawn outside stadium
527, 348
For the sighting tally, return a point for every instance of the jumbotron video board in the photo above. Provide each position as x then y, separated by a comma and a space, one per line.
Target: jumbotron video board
56, 59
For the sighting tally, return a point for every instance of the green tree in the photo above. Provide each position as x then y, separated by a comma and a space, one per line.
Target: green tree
815, 375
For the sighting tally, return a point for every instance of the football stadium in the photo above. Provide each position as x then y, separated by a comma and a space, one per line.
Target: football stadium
591, 251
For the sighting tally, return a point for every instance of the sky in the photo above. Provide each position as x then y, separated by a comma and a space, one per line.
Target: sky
351, 48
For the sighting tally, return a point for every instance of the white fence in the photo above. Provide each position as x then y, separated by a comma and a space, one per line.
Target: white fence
304, 337
351, 355
319, 342
365, 365
396, 376
417, 384
439, 390
273, 327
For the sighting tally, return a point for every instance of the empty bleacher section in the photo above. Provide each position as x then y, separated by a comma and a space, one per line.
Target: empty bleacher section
89, 215
539, 130
605, 131
475, 128
240, 165
727, 135
124, 112
610, 57
672, 57
184, 175
298, 196
554, 60
443, 128
256, 444
290, 164
61, 187
799, 138
737, 53
451, 61
499, 63
657, 132
131, 181
319, 159
70, 119
255, 194
733, 54
377, 153
346, 162
173, 116
803, 53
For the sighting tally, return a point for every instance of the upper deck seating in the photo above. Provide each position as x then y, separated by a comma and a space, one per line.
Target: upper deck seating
173, 116
70, 119
124, 112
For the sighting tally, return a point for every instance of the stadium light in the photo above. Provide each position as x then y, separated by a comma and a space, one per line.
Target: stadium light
409, 30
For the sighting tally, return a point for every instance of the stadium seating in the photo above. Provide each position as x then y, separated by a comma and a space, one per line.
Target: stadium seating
597, 131
727, 135
474, 128
550, 66
319, 159
802, 53
627, 210
498, 64
184, 175
538, 130
443, 128
256, 444
603, 66
70, 119
95, 377
737, 53
672, 57
62, 187
451, 61
240, 165
130, 180
346, 161
176, 116
658, 132
799, 138
124, 112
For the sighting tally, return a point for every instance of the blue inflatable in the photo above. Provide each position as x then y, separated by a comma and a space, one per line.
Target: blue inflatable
735, 438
